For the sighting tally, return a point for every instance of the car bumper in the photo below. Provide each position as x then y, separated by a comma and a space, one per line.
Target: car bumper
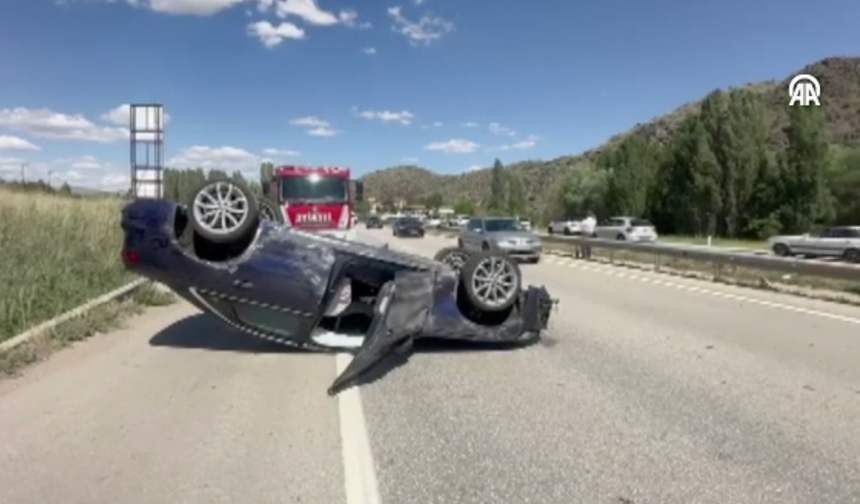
343, 234
410, 232
643, 239
523, 254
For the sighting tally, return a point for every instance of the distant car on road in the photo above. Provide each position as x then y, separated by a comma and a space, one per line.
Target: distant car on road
433, 222
525, 223
501, 234
566, 227
373, 222
837, 241
408, 226
626, 229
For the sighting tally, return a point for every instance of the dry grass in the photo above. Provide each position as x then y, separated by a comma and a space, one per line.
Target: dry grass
101, 319
57, 253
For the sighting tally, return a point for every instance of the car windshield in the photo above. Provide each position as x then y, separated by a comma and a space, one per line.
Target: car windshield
492, 225
410, 221
314, 188
641, 223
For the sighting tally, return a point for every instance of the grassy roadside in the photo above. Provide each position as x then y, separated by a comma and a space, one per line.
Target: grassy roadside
102, 319
56, 253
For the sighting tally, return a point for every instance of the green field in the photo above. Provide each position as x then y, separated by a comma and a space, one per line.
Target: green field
57, 252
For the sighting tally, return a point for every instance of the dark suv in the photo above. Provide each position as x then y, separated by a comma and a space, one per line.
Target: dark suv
373, 222
408, 226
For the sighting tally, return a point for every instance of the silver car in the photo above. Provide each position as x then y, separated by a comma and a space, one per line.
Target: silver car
627, 229
500, 234
841, 241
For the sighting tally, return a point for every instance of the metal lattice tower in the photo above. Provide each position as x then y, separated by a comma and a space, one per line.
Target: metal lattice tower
146, 127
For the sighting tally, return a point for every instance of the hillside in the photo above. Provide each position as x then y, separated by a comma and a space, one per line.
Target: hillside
840, 82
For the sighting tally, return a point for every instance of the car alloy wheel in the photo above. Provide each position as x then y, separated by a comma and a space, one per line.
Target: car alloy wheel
494, 282
221, 208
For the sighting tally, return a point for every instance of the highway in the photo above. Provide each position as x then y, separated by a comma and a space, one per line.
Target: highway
647, 389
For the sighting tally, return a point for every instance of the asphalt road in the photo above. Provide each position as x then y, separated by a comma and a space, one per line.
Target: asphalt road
648, 389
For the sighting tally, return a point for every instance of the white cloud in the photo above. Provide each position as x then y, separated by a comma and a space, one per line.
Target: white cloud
272, 36
424, 31
80, 171
369, 50
324, 132
46, 123
179, 7
224, 158
409, 160
458, 146
17, 144
436, 124
315, 126
403, 117
121, 116
475, 168
350, 18
498, 129
281, 152
311, 13
471, 125
526, 143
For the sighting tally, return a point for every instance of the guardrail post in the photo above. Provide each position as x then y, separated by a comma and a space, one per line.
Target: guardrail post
657, 262
718, 270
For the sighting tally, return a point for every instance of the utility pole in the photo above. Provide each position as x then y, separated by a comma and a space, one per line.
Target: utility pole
24, 172
50, 174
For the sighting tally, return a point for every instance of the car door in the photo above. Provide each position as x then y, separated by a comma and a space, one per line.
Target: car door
474, 231
823, 245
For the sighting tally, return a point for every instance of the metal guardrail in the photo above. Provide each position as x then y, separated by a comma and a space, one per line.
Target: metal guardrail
718, 258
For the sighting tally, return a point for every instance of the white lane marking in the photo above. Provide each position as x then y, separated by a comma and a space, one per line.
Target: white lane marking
709, 292
358, 468
611, 270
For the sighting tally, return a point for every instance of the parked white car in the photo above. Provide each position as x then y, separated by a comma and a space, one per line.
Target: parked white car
839, 241
565, 227
627, 229
525, 224
433, 223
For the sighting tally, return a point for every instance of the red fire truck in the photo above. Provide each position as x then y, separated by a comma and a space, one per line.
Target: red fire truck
315, 198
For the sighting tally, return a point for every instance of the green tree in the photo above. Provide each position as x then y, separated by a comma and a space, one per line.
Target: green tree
516, 194
434, 201
631, 168
805, 171
464, 208
498, 195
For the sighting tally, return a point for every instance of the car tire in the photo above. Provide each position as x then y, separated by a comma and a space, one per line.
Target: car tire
483, 268
549, 231
781, 250
455, 257
270, 211
242, 203
852, 256
460, 243
620, 237
485, 246
567, 231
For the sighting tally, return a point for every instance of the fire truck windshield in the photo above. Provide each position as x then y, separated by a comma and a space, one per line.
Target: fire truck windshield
314, 188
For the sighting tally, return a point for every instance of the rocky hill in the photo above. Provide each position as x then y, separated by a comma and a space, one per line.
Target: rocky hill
840, 82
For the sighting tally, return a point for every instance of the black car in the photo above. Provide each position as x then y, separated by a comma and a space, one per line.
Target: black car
315, 292
373, 222
408, 226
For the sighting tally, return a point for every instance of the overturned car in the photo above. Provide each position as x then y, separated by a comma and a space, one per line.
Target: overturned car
311, 291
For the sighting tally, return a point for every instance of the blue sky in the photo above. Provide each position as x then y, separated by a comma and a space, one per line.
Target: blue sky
292, 80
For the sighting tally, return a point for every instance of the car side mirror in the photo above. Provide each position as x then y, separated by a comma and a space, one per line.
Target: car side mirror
358, 189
